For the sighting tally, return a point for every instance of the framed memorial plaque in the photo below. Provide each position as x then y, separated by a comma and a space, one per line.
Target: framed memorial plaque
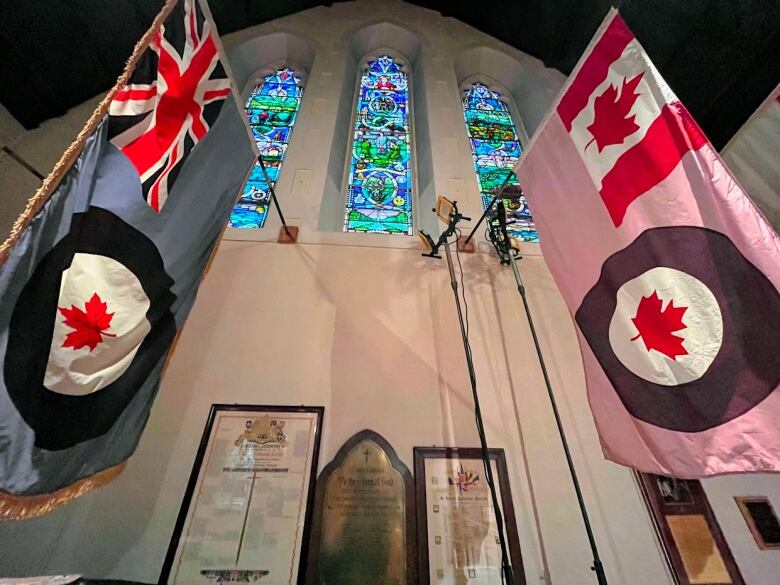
689, 534
761, 520
249, 498
456, 524
363, 531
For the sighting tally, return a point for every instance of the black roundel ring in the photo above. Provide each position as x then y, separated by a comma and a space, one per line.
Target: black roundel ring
745, 370
59, 420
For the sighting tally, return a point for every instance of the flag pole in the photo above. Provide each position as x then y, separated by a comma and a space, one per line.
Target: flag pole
273, 196
501, 243
482, 217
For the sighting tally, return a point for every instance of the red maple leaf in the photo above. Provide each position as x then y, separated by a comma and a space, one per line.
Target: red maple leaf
89, 325
656, 326
611, 123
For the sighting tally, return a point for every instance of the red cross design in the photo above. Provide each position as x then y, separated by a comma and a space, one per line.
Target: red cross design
176, 100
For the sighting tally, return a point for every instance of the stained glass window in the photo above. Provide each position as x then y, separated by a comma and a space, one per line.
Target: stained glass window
271, 108
495, 148
379, 196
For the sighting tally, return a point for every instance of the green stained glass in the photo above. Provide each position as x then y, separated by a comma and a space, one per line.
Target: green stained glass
271, 110
495, 149
379, 195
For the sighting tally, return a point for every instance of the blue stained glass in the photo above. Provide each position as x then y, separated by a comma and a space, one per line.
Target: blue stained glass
495, 147
379, 196
271, 110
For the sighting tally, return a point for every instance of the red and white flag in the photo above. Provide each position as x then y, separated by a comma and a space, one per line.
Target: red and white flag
669, 270
172, 98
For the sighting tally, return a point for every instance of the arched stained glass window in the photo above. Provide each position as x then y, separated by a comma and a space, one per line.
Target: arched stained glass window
271, 108
495, 147
379, 196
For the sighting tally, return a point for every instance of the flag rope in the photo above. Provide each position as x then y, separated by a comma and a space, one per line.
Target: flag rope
52, 181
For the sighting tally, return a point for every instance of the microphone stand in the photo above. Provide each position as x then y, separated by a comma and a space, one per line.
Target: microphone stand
506, 255
509, 175
454, 217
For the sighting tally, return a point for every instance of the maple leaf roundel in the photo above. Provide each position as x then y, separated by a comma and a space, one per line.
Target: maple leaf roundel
101, 324
88, 329
682, 325
666, 327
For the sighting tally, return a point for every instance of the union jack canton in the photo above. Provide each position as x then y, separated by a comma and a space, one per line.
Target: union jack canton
170, 101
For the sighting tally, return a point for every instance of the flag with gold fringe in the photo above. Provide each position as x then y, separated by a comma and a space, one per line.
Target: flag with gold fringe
101, 270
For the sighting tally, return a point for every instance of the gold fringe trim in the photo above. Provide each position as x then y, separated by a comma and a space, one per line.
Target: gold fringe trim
13, 507
70, 155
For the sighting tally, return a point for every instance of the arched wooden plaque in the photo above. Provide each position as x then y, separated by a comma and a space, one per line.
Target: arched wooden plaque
364, 518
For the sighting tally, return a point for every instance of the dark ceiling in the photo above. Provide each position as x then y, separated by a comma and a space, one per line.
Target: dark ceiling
721, 57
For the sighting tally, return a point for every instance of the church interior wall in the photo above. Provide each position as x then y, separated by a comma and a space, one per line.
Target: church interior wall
365, 326
752, 155
756, 565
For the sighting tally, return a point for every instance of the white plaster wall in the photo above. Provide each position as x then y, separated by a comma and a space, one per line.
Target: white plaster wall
10, 129
40, 149
758, 567
364, 326
16, 182
385, 355
753, 154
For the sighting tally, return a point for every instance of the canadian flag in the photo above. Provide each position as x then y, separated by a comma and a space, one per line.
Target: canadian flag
631, 130
669, 270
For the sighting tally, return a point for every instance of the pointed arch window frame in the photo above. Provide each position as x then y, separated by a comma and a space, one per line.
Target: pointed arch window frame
255, 80
504, 96
362, 66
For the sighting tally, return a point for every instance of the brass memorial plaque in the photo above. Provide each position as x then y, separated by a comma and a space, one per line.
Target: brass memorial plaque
700, 555
363, 539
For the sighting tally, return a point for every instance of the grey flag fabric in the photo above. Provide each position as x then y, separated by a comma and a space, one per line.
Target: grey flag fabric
92, 297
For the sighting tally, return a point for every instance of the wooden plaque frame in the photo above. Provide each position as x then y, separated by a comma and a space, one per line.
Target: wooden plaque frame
199, 457
315, 534
661, 510
742, 502
505, 493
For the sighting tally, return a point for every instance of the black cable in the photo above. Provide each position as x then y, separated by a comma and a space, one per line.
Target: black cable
462, 285
507, 576
478, 411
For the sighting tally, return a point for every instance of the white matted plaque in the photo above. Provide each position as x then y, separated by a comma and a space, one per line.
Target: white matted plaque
457, 533
248, 501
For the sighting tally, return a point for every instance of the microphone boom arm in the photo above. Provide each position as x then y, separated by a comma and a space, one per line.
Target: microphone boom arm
454, 217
